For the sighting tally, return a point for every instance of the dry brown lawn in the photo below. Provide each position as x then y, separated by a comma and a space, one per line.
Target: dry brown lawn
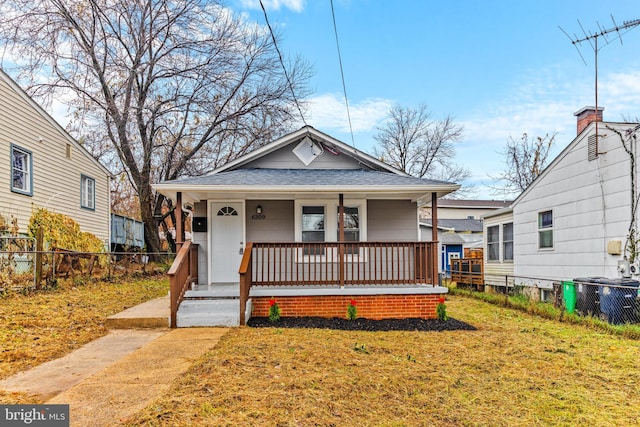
45, 325
515, 370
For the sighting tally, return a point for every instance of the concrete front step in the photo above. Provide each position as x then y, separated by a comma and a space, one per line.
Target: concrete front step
150, 314
208, 312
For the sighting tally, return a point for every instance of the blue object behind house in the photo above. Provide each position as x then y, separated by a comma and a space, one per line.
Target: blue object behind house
126, 233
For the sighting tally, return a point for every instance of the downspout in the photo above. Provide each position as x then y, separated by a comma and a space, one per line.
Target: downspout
109, 212
434, 235
341, 237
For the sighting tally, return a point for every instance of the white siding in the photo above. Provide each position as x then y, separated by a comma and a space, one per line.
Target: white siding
590, 201
56, 178
495, 272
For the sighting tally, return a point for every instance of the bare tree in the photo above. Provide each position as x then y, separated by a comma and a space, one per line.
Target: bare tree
419, 146
525, 159
176, 87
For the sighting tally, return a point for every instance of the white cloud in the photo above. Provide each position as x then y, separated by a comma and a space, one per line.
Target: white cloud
328, 111
294, 5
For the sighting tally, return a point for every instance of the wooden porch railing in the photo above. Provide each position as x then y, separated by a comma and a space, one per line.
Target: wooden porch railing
183, 272
333, 263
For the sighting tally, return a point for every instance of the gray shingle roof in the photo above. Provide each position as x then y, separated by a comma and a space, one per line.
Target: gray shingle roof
314, 177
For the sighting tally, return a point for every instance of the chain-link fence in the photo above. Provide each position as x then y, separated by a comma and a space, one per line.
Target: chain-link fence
616, 301
21, 267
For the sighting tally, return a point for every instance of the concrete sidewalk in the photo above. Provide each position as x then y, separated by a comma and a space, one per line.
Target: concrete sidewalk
130, 384
113, 377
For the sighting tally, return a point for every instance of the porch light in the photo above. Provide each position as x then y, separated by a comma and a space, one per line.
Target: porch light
258, 209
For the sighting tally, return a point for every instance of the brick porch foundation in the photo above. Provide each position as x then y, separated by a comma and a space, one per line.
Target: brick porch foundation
369, 306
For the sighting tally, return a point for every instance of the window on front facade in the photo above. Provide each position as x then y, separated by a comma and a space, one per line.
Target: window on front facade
545, 230
507, 242
493, 243
313, 222
351, 226
21, 170
87, 192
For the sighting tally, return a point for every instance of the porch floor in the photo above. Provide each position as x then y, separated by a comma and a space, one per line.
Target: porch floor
317, 290
232, 290
214, 290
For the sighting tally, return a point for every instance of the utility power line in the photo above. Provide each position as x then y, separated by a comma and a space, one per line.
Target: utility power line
284, 68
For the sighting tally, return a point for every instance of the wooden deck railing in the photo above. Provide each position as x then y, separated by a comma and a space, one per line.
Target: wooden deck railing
182, 273
469, 271
333, 263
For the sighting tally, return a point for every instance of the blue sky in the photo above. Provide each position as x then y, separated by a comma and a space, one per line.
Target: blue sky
500, 68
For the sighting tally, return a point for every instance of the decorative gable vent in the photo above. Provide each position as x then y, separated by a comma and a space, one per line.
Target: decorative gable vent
592, 148
307, 151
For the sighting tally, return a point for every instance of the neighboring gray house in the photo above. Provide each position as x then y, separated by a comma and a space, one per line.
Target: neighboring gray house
578, 217
44, 167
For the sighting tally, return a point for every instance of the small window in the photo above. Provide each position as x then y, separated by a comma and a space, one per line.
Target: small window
313, 223
68, 153
87, 192
227, 211
493, 243
21, 170
507, 242
545, 230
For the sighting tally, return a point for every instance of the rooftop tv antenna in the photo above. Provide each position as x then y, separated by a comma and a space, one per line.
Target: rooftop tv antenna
592, 38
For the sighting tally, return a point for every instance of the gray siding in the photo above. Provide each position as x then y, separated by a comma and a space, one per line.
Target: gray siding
285, 159
278, 222
56, 178
392, 220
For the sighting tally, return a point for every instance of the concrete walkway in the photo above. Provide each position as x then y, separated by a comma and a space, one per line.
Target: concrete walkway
115, 376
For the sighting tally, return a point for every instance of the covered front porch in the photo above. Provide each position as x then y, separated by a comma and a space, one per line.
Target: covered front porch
389, 279
313, 222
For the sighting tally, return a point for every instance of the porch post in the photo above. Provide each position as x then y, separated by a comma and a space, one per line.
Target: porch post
434, 234
179, 223
341, 236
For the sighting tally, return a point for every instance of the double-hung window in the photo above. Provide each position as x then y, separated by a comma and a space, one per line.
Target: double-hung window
507, 242
351, 227
493, 243
21, 171
313, 225
87, 192
545, 230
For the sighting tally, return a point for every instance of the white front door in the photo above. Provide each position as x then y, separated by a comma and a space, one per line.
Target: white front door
227, 241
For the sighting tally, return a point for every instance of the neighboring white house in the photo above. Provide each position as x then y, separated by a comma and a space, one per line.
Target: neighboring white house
498, 247
44, 167
574, 219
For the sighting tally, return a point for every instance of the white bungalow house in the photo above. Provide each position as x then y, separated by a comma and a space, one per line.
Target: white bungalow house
44, 167
579, 217
312, 222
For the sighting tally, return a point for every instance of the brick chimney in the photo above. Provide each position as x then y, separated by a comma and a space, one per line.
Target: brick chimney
587, 115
